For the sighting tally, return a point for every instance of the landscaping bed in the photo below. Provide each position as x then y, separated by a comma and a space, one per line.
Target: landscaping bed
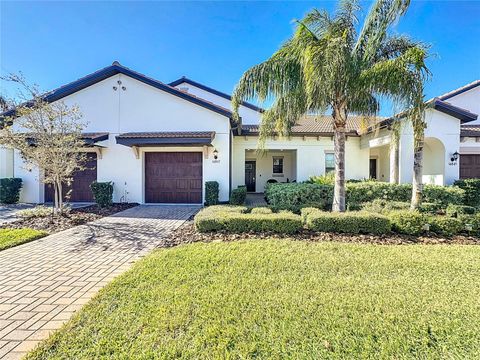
283, 299
13, 237
45, 222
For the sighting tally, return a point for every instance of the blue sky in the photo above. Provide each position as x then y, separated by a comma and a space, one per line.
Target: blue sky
53, 43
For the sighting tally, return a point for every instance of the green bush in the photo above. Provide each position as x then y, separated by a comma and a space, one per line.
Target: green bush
408, 222
429, 208
295, 196
472, 222
443, 195
103, 193
261, 210
456, 210
305, 212
238, 195
472, 191
444, 225
385, 206
367, 191
211, 193
349, 222
10, 190
326, 179
234, 220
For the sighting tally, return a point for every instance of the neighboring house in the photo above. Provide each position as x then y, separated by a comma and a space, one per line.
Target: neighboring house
160, 142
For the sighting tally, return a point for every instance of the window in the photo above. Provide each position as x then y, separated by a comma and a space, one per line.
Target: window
329, 162
277, 165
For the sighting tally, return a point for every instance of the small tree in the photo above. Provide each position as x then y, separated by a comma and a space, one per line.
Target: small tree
47, 135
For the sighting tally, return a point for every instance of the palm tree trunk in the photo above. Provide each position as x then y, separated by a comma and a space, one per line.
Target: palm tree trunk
417, 189
339, 121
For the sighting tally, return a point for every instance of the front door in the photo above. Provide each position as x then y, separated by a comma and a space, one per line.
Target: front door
250, 167
373, 168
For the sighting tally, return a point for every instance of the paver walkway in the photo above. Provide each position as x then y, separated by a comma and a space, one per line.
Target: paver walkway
43, 282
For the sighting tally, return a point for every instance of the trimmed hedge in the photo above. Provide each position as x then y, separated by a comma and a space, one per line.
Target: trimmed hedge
349, 222
443, 225
472, 191
385, 206
236, 221
103, 193
408, 222
211, 193
472, 221
238, 195
456, 210
295, 196
10, 190
261, 210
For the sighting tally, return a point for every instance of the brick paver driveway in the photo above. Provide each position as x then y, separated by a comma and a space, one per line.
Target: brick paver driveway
43, 282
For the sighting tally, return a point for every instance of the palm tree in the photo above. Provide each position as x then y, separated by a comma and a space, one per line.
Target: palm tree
326, 64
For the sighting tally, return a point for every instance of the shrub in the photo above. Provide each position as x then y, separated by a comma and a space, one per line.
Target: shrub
10, 190
211, 193
102, 192
38, 211
408, 222
443, 195
385, 206
234, 220
429, 208
238, 195
456, 210
366, 191
472, 191
471, 223
295, 196
444, 225
349, 222
326, 179
261, 210
307, 211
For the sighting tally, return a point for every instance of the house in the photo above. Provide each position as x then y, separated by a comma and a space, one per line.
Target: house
160, 143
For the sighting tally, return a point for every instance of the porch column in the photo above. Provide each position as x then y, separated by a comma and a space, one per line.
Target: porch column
405, 161
394, 162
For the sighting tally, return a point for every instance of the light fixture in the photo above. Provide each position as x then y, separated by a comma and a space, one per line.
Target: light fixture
454, 156
215, 154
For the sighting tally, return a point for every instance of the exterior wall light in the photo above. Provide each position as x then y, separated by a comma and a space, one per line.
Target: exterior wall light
215, 154
454, 156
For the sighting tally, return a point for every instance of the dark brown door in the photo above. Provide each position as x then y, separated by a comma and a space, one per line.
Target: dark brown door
173, 177
373, 168
250, 169
81, 183
469, 166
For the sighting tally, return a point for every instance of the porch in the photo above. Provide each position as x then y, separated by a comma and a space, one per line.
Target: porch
262, 167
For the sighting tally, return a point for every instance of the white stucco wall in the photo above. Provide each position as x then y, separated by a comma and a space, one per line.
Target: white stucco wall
249, 116
310, 156
469, 100
141, 108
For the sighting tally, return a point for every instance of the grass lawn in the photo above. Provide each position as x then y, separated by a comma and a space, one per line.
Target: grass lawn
13, 237
283, 299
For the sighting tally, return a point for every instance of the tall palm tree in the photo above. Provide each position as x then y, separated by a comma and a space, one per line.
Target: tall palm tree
326, 64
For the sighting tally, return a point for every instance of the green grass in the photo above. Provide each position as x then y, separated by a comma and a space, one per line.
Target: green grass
13, 237
283, 300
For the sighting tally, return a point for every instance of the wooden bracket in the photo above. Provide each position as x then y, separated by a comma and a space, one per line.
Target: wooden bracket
99, 152
205, 151
136, 151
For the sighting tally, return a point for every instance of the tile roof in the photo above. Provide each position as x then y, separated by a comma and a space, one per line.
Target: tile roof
169, 134
95, 136
322, 125
470, 130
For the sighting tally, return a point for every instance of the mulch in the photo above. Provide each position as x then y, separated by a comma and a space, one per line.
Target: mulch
187, 234
69, 219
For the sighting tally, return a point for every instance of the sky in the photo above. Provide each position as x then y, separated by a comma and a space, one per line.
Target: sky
53, 43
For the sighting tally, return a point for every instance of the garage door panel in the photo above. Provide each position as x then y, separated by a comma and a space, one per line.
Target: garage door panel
173, 177
80, 185
469, 166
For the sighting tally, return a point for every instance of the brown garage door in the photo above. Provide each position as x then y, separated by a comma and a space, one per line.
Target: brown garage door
173, 177
81, 183
469, 166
